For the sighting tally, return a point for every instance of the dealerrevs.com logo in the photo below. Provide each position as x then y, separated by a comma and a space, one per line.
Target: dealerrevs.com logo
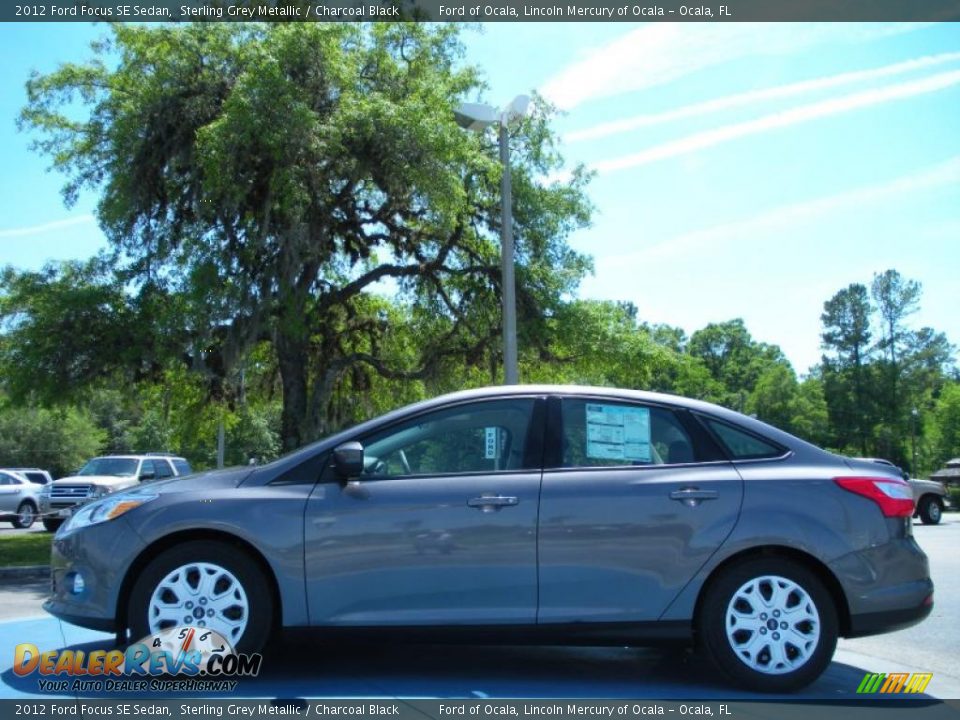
174, 660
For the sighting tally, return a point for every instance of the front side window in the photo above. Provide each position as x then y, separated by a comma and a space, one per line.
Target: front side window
598, 433
480, 437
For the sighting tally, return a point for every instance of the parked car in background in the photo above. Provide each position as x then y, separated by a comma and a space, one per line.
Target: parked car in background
19, 499
546, 514
929, 496
34, 475
101, 476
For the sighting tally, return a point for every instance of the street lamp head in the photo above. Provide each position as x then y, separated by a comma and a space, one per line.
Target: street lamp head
479, 116
517, 108
475, 116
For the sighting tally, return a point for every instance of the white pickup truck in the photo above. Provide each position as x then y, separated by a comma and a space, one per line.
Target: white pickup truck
101, 476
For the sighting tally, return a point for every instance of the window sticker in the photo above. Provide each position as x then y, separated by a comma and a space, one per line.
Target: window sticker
492, 443
615, 432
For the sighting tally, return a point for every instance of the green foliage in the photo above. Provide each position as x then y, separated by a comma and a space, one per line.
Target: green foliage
946, 424
59, 440
49, 318
259, 181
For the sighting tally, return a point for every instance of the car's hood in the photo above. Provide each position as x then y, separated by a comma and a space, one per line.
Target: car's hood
210, 480
933, 485
93, 480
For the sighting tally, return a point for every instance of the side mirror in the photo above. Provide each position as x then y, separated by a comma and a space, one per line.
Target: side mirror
348, 460
147, 476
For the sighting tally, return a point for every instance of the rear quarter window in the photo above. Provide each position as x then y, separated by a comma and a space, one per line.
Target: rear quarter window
741, 444
183, 467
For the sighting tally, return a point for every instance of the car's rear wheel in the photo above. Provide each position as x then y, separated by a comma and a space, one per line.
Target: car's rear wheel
769, 624
52, 525
26, 515
930, 508
207, 585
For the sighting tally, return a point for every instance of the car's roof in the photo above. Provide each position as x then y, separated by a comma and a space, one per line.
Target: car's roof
138, 457
794, 444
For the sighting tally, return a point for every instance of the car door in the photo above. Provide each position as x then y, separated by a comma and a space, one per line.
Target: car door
634, 501
9, 493
439, 529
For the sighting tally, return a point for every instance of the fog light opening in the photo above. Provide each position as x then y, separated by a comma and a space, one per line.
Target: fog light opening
78, 584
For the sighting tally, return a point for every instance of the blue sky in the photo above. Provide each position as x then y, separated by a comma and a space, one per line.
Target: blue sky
744, 170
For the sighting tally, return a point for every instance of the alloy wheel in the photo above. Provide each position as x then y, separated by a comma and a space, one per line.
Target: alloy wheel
202, 595
772, 625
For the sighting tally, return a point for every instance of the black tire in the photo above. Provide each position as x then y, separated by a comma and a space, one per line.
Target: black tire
930, 509
762, 673
246, 571
52, 525
26, 515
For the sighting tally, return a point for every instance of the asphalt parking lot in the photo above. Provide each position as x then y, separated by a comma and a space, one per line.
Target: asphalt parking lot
300, 667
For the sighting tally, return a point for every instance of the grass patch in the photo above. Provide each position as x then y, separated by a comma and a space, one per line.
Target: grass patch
29, 549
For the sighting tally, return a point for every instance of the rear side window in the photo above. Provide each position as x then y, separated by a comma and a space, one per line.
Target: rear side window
742, 445
163, 468
183, 467
599, 433
36, 478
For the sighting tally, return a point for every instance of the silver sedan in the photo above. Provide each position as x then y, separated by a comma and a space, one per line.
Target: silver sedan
19, 499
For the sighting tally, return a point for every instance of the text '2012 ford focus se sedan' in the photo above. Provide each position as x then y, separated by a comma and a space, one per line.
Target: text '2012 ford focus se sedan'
520, 514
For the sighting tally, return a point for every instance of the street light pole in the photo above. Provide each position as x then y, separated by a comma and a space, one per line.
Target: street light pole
913, 441
478, 117
511, 374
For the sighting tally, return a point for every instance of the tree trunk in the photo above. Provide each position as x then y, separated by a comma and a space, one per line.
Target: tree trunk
292, 361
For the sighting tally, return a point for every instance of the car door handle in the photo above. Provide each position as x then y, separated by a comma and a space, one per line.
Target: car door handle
491, 503
692, 496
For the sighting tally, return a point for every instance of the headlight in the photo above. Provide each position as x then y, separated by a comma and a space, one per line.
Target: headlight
106, 509
98, 491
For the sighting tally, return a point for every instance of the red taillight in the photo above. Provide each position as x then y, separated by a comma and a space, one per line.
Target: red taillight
893, 496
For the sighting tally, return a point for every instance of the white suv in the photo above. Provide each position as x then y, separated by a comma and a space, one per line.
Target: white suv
101, 476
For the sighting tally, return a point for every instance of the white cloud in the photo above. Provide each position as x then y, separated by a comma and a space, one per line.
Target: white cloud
45, 227
793, 116
779, 92
660, 53
767, 224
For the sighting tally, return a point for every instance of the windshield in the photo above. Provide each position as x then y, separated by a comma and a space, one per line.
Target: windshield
110, 466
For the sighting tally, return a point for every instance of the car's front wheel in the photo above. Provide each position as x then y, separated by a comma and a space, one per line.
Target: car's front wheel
26, 515
52, 525
207, 585
769, 624
930, 509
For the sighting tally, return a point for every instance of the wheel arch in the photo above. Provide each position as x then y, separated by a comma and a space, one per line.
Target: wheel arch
166, 542
818, 568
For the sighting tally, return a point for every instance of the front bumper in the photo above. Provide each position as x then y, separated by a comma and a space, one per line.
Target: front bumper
101, 554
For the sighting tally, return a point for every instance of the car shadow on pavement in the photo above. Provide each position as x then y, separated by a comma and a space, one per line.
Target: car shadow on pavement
305, 667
